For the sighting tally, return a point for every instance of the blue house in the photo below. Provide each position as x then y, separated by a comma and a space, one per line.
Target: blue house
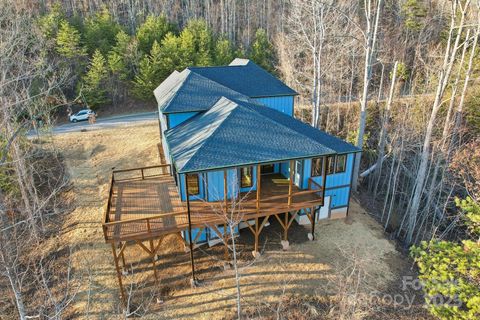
230, 136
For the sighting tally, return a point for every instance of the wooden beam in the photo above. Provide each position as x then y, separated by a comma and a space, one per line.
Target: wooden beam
225, 189
324, 179
119, 275
280, 221
192, 263
313, 213
265, 219
258, 187
290, 183
256, 235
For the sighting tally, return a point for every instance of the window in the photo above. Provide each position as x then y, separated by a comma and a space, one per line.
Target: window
341, 164
193, 184
317, 166
331, 164
246, 180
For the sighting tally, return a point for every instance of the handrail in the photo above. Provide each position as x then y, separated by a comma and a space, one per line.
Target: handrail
157, 216
109, 201
142, 172
139, 168
311, 181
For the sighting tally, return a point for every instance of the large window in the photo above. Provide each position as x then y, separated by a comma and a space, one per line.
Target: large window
193, 184
317, 166
330, 164
246, 177
341, 164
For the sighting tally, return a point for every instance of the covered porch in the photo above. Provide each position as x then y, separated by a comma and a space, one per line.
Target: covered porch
144, 206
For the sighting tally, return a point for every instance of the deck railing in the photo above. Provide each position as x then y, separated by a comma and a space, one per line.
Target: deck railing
204, 211
139, 173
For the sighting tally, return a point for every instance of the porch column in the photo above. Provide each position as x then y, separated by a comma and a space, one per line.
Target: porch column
290, 183
225, 199
258, 187
257, 227
324, 178
187, 194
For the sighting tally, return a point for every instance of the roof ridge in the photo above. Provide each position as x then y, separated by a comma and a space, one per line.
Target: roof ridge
285, 126
218, 83
224, 66
178, 81
202, 144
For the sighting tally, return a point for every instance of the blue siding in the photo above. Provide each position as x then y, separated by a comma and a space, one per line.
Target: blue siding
174, 119
333, 180
338, 185
283, 104
215, 187
338, 197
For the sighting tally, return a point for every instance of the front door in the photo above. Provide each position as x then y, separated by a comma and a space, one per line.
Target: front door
298, 173
267, 169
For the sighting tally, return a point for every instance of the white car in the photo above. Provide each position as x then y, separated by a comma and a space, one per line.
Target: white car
81, 115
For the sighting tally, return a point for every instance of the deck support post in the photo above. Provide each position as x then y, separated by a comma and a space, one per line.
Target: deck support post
225, 198
257, 227
190, 242
314, 217
122, 255
285, 230
119, 275
256, 236
152, 252
324, 179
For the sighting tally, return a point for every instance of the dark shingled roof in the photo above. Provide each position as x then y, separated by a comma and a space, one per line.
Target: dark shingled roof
246, 77
235, 133
188, 91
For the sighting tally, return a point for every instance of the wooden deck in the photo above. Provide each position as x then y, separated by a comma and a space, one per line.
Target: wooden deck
144, 204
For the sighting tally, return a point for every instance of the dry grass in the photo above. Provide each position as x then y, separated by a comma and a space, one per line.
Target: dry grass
308, 269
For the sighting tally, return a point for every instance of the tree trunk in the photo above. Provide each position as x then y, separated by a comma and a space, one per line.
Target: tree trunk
444, 76
383, 131
370, 42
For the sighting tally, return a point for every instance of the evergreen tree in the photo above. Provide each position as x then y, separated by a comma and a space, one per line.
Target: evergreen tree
197, 41
450, 271
94, 81
414, 14
100, 31
150, 73
50, 23
262, 51
121, 59
155, 28
68, 41
224, 53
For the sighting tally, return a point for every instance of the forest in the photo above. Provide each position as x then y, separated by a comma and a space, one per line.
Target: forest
400, 79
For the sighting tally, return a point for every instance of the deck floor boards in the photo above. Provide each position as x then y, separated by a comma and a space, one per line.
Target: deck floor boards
143, 199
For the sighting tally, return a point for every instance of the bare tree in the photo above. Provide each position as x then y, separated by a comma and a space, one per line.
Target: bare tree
372, 18
383, 130
443, 79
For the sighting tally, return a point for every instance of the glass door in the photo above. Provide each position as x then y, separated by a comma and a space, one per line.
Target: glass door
267, 169
298, 173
